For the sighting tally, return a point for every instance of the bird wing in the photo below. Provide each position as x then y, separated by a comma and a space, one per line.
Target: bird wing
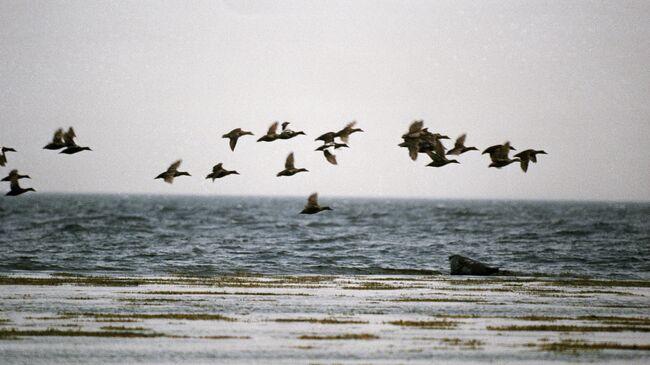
14, 184
58, 136
414, 148
434, 156
524, 164
344, 133
312, 201
68, 138
168, 178
331, 158
460, 141
233, 142
284, 125
174, 166
327, 137
416, 126
439, 148
272, 129
216, 168
289, 163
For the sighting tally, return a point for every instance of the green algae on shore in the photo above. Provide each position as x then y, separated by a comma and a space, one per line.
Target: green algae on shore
441, 324
13, 333
177, 316
345, 336
569, 328
321, 321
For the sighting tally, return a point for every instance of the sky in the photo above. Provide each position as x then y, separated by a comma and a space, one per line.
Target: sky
145, 83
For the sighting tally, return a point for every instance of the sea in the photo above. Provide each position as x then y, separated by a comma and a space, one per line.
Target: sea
157, 235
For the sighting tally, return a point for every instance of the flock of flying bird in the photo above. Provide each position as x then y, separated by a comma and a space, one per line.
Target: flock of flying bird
417, 140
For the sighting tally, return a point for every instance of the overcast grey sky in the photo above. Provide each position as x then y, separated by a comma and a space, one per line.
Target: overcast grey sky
147, 82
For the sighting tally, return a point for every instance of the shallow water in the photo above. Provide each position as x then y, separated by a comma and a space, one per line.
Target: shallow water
161, 235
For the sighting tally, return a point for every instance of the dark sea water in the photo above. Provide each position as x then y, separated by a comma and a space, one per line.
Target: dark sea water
162, 235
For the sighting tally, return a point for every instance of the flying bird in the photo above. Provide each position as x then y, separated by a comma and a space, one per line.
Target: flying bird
172, 172
438, 158
271, 135
499, 155
289, 167
459, 146
344, 134
529, 155
312, 206
234, 135
218, 172
15, 188
71, 147
288, 133
57, 141
330, 145
3, 156
15, 176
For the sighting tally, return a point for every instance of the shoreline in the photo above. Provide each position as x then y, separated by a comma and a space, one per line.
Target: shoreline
313, 318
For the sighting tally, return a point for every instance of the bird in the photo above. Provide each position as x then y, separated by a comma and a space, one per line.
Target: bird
57, 141
499, 155
497, 150
15, 188
14, 175
271, 135
218, 172
312, 206
459, 146
330, 157
529, 155
3, 155
330, 145
288, 133
438, 158
327, 137
234, 135
172, 172
344, 134
71, 146
289, 167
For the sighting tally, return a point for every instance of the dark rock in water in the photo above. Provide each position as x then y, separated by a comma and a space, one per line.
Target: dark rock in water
461, 265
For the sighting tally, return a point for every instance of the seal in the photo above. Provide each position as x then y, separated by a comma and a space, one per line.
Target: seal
461, 265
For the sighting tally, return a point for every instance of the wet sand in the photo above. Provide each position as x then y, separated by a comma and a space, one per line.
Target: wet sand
322, 320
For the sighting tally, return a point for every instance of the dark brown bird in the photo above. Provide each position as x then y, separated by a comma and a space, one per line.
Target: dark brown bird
499, 155
15, 176
71, 146
312, 206
529, 155
234, 135
57, 141
218, 172
3, 156
271, 135
459, 146
344, 134
289, 167
438, 158
327, 138
172, 172
330, 145
15, 188
288, 133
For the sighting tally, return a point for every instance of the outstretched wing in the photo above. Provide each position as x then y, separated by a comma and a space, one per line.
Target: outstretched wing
434, 156
289, 163
416, 126
524, 164
68, 138
174, 166
233, 142
216, 168
272, 129
460, 141
284, 125
331, 158
58, 136
440, 149
312, 201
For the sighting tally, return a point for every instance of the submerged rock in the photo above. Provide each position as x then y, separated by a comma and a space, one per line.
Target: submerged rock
461, 265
